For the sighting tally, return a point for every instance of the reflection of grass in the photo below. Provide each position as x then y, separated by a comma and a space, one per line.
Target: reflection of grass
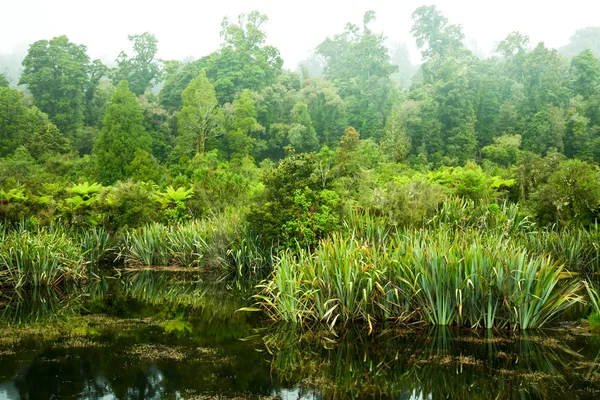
432, 364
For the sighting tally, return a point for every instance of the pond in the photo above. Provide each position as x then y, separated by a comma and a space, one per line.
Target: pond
168, 335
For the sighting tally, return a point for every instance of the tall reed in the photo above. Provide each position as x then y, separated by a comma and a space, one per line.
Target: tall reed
439, 277
215, 242
44, 257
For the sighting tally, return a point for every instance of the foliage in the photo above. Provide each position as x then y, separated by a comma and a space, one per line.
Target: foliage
199, 119
471, 280
47, 257
121, 136
142, 70
56, 73
296, 205
172, 202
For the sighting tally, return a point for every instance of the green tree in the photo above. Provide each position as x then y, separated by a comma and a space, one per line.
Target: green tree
142, 70
177, 76
297, 206
358, 63
585, 38
571, 195
435, 37
121, 135
440, 43
326, 108
243, 62
17, 122
504, 151
4, 83
395, 142
302, 134
544, 134
200, 117
458, 120
585, 74
48, 141
56, 73
243, 126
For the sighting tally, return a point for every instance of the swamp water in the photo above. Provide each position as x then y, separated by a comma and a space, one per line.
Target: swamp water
166, 335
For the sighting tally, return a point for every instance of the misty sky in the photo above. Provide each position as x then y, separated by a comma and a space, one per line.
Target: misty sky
191, 28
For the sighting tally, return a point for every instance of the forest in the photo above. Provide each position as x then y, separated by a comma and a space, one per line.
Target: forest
357, 189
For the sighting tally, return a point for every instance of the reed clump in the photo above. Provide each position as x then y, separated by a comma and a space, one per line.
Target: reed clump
222, 241
469, 279
41, 257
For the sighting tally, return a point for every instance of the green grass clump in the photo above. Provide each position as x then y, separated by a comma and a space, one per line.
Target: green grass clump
42, 257
215, 242
440, 277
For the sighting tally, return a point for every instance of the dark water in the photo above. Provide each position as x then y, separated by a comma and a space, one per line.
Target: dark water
147, 335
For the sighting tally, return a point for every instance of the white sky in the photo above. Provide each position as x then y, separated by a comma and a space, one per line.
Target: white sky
191, 28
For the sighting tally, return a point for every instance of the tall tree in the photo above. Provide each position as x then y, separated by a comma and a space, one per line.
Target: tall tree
585, 74
244, 127
243, 62
56, 73
200, 117
121, 135
435, 37
142, 70
441, 43
17, 122
358, 63
302, 134
582, 39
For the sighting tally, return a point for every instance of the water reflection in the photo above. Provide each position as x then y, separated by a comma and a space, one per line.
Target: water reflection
155, 335
437, 363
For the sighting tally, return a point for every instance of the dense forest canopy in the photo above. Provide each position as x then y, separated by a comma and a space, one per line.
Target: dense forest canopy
357, 125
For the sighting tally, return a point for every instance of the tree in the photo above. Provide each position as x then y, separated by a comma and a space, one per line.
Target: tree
243, 62
17, 122
177, 76
47, 141
457, 116
243, 128
297, 205
504, 151
142, 70
435, 37
121, 135
302, 134
4, 83
200, 117
56, 73
571, 194
400, 57
395, 142
544, 134
585, 74
586, 38
326, 108
441, 44
358, 63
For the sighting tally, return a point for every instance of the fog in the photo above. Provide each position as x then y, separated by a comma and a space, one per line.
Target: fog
191, 29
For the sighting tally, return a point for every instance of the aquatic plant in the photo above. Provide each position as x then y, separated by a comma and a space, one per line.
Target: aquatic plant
210, 242
471, 280
43, 257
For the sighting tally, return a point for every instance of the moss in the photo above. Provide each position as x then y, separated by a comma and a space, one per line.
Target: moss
594, 322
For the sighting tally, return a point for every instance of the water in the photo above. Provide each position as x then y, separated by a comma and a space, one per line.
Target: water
148, 335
